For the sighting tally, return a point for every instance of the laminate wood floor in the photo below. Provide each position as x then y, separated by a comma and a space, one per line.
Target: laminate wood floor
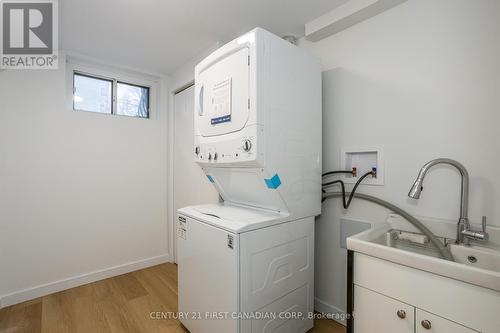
120, 304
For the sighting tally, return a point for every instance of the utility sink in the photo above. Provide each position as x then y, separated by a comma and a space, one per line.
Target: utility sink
475, 264
477, 256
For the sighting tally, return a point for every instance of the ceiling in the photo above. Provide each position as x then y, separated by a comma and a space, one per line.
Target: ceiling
161, 35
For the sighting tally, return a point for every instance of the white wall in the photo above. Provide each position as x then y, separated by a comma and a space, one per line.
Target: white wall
79, 192
423, 80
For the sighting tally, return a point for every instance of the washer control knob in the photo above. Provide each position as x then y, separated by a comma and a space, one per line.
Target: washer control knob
247, 145
215, 156
197, 150
209, 156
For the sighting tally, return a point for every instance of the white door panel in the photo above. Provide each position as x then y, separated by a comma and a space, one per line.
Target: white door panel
430, 323
191, 186
374, 312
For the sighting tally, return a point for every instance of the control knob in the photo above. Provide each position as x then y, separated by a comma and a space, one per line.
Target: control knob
197, 150
247, 145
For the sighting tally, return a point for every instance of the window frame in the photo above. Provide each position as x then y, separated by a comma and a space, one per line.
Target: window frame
115, 98
114, 75
97, 78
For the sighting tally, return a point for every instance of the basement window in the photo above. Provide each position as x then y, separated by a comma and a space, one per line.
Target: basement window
132, 100
108, 95
92, 94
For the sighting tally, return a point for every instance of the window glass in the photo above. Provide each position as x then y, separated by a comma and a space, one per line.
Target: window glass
132, 100
92, 94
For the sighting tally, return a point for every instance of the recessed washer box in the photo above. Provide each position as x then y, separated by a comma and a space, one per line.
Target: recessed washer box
363, 158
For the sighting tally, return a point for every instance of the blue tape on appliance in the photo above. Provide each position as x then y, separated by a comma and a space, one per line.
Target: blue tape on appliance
210, 178
219, 120
274, 182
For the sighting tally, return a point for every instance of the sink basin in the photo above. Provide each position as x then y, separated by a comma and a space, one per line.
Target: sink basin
476, 264
474, 256
390, 239
477, 256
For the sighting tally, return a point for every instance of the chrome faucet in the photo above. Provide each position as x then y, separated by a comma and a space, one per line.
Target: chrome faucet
464, 232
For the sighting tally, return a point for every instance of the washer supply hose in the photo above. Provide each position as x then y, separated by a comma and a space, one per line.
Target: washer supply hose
443, 250
345, 203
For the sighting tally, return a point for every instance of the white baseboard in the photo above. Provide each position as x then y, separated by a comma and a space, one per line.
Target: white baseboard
53, 287
334, 313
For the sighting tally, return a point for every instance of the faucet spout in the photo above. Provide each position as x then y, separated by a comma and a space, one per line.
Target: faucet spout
463, 223
464, 197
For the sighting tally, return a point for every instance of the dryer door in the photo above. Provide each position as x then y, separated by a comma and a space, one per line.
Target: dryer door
222, 95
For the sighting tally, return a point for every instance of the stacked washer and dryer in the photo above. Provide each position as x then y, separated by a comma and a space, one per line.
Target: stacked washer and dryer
247, 263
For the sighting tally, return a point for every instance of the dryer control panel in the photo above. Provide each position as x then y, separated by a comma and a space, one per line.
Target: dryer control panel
242, 147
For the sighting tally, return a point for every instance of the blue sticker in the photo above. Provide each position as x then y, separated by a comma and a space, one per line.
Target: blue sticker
210, 178
219, 120
274, 182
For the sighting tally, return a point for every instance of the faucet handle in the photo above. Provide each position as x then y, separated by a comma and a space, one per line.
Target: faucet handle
482, 235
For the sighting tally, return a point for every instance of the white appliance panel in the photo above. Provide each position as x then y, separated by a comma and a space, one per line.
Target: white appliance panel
280, 137
246, 186
277, 275
269, 271
223, 95
235, 219
208, 275
258, 139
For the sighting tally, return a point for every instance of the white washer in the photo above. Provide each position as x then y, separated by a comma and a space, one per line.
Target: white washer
244, 270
